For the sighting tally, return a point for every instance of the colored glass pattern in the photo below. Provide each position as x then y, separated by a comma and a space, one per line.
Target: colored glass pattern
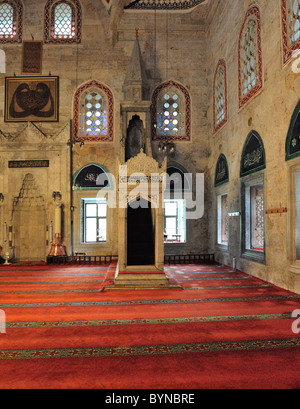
93, 114
7, 23
249, 58
220, 101
64, 23
293, 21
170, 115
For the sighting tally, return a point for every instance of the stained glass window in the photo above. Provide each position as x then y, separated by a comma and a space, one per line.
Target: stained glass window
7, 24
93, 113
220, 97
293, 20
62, 21
11, 21
250, 57
64, 24
170, 113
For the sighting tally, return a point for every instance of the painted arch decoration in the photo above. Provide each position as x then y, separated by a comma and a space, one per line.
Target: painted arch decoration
290, 17
250, 57
253, 157
222, 171
293, 136
92, 177
163, 4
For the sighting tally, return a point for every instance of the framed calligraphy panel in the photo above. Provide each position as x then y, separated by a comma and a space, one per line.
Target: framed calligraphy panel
31, 99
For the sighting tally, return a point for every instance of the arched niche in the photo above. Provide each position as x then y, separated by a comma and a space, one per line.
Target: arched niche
253, 156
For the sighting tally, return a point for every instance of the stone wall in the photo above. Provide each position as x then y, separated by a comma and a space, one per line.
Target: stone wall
269, 113
104, 53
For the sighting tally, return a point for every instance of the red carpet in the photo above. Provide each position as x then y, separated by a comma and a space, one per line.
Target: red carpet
224, 330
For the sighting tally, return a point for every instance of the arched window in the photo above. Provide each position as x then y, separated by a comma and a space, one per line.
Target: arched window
62, 21
93, 113
220, 96
253, 163
290, 11
171, 112
250, 57
11, 21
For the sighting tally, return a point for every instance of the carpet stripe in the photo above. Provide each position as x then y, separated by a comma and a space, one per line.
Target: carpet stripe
145, 321
213, 278
152, 302
51, 282
54, 275
227, 287
151, 349
100, 290
53, 291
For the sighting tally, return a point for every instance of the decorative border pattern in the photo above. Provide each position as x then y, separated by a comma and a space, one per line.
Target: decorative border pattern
187, 98
18, 22
163, 4
148, 321
110, 113
252, 12
151, 349
287, 49
49, 18
221, 63
141, 302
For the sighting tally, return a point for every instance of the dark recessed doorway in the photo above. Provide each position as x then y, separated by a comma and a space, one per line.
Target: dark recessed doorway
140, 234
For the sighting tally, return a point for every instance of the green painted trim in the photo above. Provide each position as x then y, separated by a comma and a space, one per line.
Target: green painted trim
224, 181
250, 172
289, 135
92, 188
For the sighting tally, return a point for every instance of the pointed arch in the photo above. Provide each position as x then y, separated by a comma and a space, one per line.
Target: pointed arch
171, 112
222, 171
220, 96
250, 57
292, 145
253, 156
88, 178
93, 113
62, 21
11, 21
290, 17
